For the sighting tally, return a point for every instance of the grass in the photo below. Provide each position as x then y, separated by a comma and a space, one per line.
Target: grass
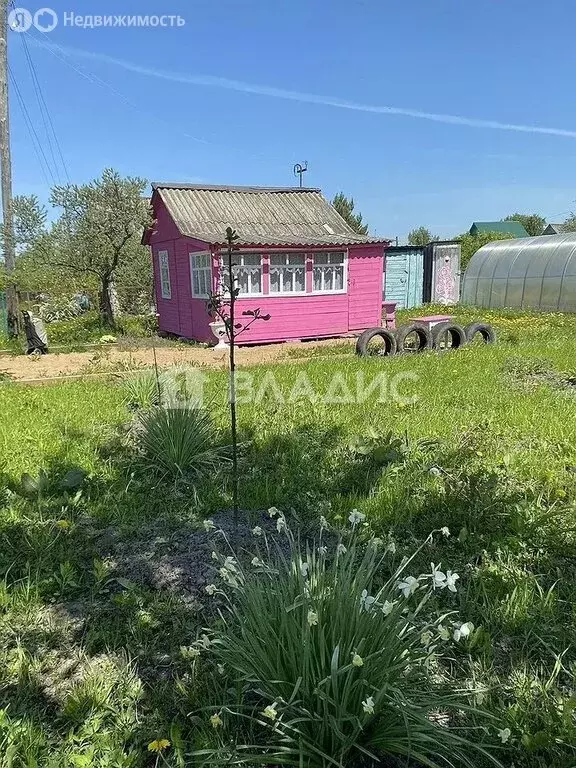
488, 449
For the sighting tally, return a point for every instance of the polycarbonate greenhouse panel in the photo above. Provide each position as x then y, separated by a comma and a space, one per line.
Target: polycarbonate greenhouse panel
530, 273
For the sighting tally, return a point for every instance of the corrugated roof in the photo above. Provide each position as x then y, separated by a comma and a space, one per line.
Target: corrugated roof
554, 229
507, 227
262, 216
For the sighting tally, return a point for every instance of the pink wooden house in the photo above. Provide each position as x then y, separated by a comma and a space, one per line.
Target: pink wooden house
298, 261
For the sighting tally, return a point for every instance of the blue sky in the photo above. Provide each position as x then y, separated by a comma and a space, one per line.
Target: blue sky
246, 88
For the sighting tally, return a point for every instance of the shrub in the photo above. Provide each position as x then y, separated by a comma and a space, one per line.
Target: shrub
336, 670
143, 391
179, 442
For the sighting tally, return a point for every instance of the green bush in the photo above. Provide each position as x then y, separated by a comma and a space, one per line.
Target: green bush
336, 667
88, 328
179, 442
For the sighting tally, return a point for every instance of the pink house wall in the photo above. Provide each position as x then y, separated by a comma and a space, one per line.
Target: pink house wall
181, 314
314, 315
291, 317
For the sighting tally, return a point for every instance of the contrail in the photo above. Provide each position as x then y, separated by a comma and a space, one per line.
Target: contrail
307, 98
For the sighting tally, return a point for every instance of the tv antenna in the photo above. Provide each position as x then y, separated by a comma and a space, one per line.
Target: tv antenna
300, 170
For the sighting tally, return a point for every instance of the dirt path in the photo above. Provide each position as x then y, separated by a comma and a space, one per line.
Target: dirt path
110, 359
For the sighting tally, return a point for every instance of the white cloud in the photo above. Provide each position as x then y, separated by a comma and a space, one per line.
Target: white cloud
307, 98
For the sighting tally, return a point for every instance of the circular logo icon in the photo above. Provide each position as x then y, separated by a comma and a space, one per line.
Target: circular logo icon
45, 20
20, 20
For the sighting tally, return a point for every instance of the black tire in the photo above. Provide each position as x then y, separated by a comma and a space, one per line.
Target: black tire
443, 331
485, 330
364, 339
423, 336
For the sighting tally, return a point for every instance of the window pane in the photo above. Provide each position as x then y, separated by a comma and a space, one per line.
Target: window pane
299, 280
277, 259
195, 282
275, 280
256, 280
251, 259
296, 259
242, 280
339, 279
317, 278
320, 258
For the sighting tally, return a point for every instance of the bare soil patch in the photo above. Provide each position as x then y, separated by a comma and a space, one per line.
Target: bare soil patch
108, 359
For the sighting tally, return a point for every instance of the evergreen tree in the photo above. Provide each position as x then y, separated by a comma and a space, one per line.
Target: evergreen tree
345, 207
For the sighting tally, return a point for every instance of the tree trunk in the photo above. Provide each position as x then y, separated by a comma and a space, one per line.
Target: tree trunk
106, 304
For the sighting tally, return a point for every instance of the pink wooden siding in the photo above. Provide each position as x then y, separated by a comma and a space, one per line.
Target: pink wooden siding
168, 319
182, 314
365, 267
295, 317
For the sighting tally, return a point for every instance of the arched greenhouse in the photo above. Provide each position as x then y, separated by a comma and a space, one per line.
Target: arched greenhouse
530, 272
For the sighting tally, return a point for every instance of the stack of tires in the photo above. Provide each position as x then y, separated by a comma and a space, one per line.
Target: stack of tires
417, 337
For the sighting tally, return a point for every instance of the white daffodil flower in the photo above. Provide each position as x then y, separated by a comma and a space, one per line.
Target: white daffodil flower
280, 524
408, 586
323, 522
504, 735
438, 577
257, 531
368, 705
445, 531
216, 720
367, 601
444, 632
356, 517
341, 549
273, 511
463, 631
387, 608
208, 525
357, 660
257, 563
270, 712
211, 589
426, 638
312, 618
451, 579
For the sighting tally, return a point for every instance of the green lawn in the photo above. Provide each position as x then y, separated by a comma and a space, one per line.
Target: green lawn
488, 448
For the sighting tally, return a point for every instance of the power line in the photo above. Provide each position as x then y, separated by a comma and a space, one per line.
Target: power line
53, 47
47, 121
45, 112
36, 143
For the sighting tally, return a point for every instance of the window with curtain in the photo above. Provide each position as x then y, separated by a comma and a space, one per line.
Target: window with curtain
247, 273
287, 273
328, 271
164, 268
201, 274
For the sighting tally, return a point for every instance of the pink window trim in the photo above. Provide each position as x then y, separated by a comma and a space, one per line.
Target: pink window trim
265, 274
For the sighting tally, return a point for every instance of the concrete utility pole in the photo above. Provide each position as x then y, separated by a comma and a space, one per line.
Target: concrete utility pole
9, 245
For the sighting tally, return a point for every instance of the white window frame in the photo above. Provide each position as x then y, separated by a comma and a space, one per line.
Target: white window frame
164, 273
324, 291
205, 271
291, 268
239, 265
